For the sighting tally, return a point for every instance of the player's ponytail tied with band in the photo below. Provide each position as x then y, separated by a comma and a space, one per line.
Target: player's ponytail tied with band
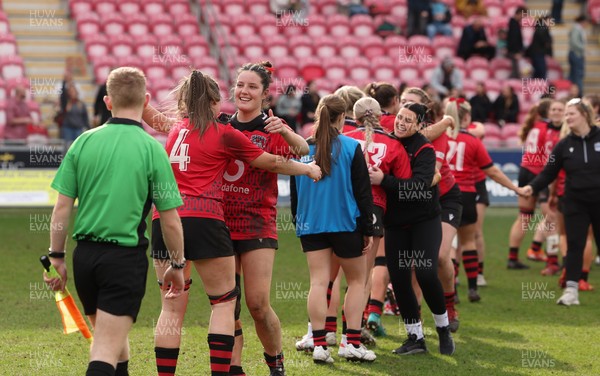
202, 93
330, 110
367, 112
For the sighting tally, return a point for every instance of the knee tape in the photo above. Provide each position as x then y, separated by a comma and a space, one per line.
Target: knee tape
186, 286
238, 299
227, 297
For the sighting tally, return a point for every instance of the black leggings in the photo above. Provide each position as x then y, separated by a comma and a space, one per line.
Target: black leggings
415, 246
578, 217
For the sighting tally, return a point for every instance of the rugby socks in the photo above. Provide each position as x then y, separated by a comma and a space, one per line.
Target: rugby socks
331, 324
375, 306
470, 261
236, 371
552, 260
166, 360
449, 298
584, 275
416, 329
122, 368
319, 338
344, 325
274, 362
220, 346
329, 290
513, 253
441, 321
480, 269
536, 246
353, 337
99, 368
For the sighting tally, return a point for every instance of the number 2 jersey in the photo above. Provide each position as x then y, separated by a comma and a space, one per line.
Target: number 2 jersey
250, 194
386, 152
466, 155
199, 164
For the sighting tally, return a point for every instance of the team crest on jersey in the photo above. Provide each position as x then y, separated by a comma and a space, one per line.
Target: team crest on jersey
258, 140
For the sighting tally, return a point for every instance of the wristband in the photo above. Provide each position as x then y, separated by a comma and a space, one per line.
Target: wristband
53, 254
175, 265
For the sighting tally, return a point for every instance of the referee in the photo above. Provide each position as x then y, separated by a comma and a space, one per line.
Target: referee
116, 171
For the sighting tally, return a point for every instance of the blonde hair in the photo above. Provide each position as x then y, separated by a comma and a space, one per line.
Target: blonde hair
350, 94
367, 111
585, 109
126, 88
457, 111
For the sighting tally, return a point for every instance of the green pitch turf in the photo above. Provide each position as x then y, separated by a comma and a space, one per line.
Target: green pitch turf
517, 328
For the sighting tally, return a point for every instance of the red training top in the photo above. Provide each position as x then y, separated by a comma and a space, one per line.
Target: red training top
387, 122
466, 155
539, 144
479, 174
440, 145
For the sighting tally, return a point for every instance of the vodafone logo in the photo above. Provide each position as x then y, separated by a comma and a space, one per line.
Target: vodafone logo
239, 165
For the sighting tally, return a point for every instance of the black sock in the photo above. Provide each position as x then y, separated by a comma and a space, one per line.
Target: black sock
99, 368
481, 268
166, 360
513, 253
584, 275
536, 246
236, 371
122, 369
274, 362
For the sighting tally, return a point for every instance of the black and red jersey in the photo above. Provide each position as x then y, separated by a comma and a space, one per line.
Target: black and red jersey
539, 144
250, 194
199, 164
387, 153
440, 145
349, 125
479, 174
467, 154
387, 121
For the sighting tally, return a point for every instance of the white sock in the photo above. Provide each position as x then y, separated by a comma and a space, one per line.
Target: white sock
573, 284
415, 329
441, 321
552, 242
309, 333
344, 340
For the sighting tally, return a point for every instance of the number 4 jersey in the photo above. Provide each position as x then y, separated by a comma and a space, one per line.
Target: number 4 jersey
466, 155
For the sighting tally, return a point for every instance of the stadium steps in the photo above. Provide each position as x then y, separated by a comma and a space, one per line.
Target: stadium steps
46, 37
560, 36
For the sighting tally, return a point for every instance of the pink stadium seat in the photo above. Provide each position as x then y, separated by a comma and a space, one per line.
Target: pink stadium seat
206, 64
121, 45
4, 24
286, 69
96, 46
131, 61
399, 8
372, 46
233, 7
267, 25
244, 25
393, 44
408, 71
102, 66
492, 130
196, 45
359, 69
153, 6
554, 69
420, 46
187, 24
8, 45
493, 88
277, 46
444, 46
478, 68
301, 46
492, 142
88, 24
12, 83
257, 7
317, 26
494, 8
384, 69
178, 7
81, 6
339, 26
253, 47
459, 63
146, 46
137, 25
180, 68
350, 47
155, 70
426, 68
513, 142
161, 88
161, 24
223, 20
458, 23
113, 24
130, 7
293, 27
325, 47
501, 67
335, 70
3, 91
469, 87
510, 130
105, 6
311, 69
171, 45
326, 7
511, 5
362, 25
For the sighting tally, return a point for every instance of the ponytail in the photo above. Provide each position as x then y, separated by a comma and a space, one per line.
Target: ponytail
195, 96
367, 112
329, 110
539, 110
458, 109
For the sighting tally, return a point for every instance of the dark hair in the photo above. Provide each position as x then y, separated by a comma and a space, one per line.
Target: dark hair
264, 69
195, 95
419, 109
539, 110
520, 10
382, 92
593, 99
330, 108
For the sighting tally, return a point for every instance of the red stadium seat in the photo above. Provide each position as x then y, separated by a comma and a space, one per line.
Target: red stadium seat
286, 70
325, 47
171, 45
554, 69
513, 142
458, 23
350, 48
393, 44
253, 47
81, 6
444, 46
494, 8
317, 26
293, 27
113, 24
372, 46
186, 24
88, 24
408, 71
492, 142
180, 68
510, 130
156, 70
419, 46
102, 67
501, 67
96, 46
426, 68
161, 24
244, 25
196, 45
335, 70
478, 68
153, 7
399, 8
493, 89
469, 87
3, 90
223, 20
301, 46
362, 25
137, 25
459, 63
206, 64
128, 7
384, 68
311, 69
106, 6
178, 7
359, 69
161, 88
121, 45
511, 5
233, 7
326, 7
8, 45
131, 61
339, 26
267, 25
146, 46
492, 130
257, 7
277, 46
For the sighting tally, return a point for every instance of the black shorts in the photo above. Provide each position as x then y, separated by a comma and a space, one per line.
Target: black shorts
344, 244
525, 177
110, 277
378, 221
452, 207
247, 245
482, 193
469, 208
203, 238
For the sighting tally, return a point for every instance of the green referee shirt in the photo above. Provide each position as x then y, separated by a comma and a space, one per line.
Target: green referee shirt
116, 171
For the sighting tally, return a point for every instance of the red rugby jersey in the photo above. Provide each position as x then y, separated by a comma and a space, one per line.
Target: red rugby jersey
440, 145
199, 163
479, 174
539, 144
466, 154
349, 125
250, 194
387, 122
386, 152
560, 183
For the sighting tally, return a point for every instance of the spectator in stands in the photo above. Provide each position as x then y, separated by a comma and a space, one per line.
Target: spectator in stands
577, 42
514, 41
386, 28
439, 20
309, 101
418, 15
506, 106
468, 8
541, 45
357, 7
289, 106
474, 41
279, 7
501, 43
76, 117
481, 106
18, 116
446, 78
101, 113
557, 6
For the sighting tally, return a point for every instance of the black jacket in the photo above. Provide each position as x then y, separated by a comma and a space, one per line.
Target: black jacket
469, 37
580, 158
413, 200
509, 114
481, 106
514, 37
541, 44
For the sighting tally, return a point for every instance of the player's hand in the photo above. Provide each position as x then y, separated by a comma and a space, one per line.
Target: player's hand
57, 284
367, 243
173, 283
436, 177
451, 121
525, 191
375, 175
273, 124
314, 172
